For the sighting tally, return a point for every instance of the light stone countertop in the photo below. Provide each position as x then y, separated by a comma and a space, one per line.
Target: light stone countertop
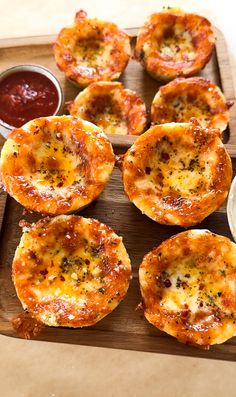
41, 369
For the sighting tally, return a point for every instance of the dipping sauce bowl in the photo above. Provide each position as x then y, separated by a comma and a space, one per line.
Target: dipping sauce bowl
27, 92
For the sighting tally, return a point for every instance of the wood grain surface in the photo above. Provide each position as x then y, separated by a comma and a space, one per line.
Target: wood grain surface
125, 328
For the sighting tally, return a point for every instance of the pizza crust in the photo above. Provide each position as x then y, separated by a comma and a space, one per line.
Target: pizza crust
188, 287
70, 271
174, 44
91, 50
177, 173
113, 108
182, 99
55, 165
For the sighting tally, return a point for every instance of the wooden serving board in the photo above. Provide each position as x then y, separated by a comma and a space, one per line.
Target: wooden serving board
124, 328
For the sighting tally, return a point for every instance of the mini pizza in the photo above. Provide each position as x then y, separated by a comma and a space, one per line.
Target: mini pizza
92, 50
182, 99
70, 271
173, 43
177, 173
112, 107
55, 165
188, 286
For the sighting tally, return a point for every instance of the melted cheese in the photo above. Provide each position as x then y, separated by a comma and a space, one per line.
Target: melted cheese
177, 173
178, 45
56, 164
111, 107
182, 99
170, 44
70, 271
92, 50
188, 287
93, 54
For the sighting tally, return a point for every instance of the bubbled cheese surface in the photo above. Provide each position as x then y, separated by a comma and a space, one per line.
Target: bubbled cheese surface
70, 271
56, 164
188, 287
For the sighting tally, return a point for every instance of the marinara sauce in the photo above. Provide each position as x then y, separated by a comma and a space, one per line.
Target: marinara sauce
26, 95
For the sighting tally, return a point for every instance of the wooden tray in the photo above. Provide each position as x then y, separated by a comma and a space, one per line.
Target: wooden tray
125, 328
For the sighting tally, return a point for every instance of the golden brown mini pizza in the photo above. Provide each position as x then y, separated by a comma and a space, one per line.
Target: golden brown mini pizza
177, 173
92, 50
57, 164
188, 286
70, 271
173, 43
182, 99
112, 107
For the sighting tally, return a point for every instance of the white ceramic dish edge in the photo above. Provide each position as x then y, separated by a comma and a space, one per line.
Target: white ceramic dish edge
231, 208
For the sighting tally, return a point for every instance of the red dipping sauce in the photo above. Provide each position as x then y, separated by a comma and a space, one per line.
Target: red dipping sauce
26, 95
